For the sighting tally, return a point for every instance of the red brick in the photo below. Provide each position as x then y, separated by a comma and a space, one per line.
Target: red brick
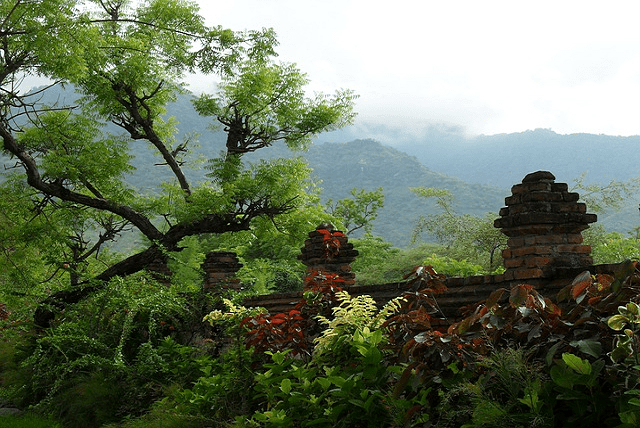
539, 261
515, 242
528, 273
575, 249
523, 251
550, 239
513, 263
543, 249
574, 238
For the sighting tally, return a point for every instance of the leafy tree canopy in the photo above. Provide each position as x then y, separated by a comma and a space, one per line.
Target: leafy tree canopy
128, 60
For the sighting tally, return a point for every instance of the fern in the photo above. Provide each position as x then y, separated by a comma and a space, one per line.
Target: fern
350, 317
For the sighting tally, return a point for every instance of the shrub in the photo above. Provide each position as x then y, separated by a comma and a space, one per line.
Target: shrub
89, 370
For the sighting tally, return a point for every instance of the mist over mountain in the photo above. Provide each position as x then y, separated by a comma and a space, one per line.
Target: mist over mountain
479, 171
504, 159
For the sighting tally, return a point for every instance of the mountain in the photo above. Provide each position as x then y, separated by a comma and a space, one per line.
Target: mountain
368, 164
479, 171
503, 160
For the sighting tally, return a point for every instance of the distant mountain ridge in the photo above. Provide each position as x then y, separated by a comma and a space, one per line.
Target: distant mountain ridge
368, 164
479, 171
503, 160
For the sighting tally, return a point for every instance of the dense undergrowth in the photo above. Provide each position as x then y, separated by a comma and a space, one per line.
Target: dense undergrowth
145, 358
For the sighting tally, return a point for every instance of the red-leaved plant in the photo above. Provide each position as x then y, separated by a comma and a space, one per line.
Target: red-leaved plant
331, 242
294, 331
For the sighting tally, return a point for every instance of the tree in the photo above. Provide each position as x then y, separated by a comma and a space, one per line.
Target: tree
464, 236
359, 211
600, 198
127, 61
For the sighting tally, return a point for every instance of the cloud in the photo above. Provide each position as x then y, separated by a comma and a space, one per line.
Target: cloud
489, 66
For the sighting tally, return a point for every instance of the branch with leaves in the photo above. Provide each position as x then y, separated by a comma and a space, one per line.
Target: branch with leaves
128, 63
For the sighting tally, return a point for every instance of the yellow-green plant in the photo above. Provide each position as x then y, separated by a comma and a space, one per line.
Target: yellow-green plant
626, 344
352, 316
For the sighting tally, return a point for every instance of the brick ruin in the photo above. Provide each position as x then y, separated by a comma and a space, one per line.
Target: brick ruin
329, 250
543, 222
220, 270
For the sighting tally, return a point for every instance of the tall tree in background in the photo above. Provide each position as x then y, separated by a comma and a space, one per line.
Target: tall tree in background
128, 61
359, 211
465, 237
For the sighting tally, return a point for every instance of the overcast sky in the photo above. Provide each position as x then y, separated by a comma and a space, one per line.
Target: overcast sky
488, 66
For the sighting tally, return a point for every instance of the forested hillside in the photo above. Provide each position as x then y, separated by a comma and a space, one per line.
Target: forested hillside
362, 163
369, 165
503, 160
479, 171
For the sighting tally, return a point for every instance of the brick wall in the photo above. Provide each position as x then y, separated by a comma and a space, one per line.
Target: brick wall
544, 223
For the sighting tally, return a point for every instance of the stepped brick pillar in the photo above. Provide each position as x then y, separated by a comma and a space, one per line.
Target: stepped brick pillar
159, 270
328, 250
544, 223
220, 268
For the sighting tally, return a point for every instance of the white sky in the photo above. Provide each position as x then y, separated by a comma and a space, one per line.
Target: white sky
488, 66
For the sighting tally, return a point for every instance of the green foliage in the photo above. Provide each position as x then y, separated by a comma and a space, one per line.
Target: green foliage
92, 370
626, 345
28, 421
508, 393
71, 147
165, 418
613, 247
265, 102
599, 198
576, 384
464, 236
452, 267
268, 250
379, 262
305, 395
516, 360
71, 160
220, 392
352, 393
351, 316
359, 211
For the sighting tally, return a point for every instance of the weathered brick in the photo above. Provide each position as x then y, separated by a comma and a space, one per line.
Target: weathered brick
570, 197
513, 263
574, 238
512, 200
528, 273
541, 196
523, 251
574, 248
539, 261
515, 242
559, 187
550, 239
